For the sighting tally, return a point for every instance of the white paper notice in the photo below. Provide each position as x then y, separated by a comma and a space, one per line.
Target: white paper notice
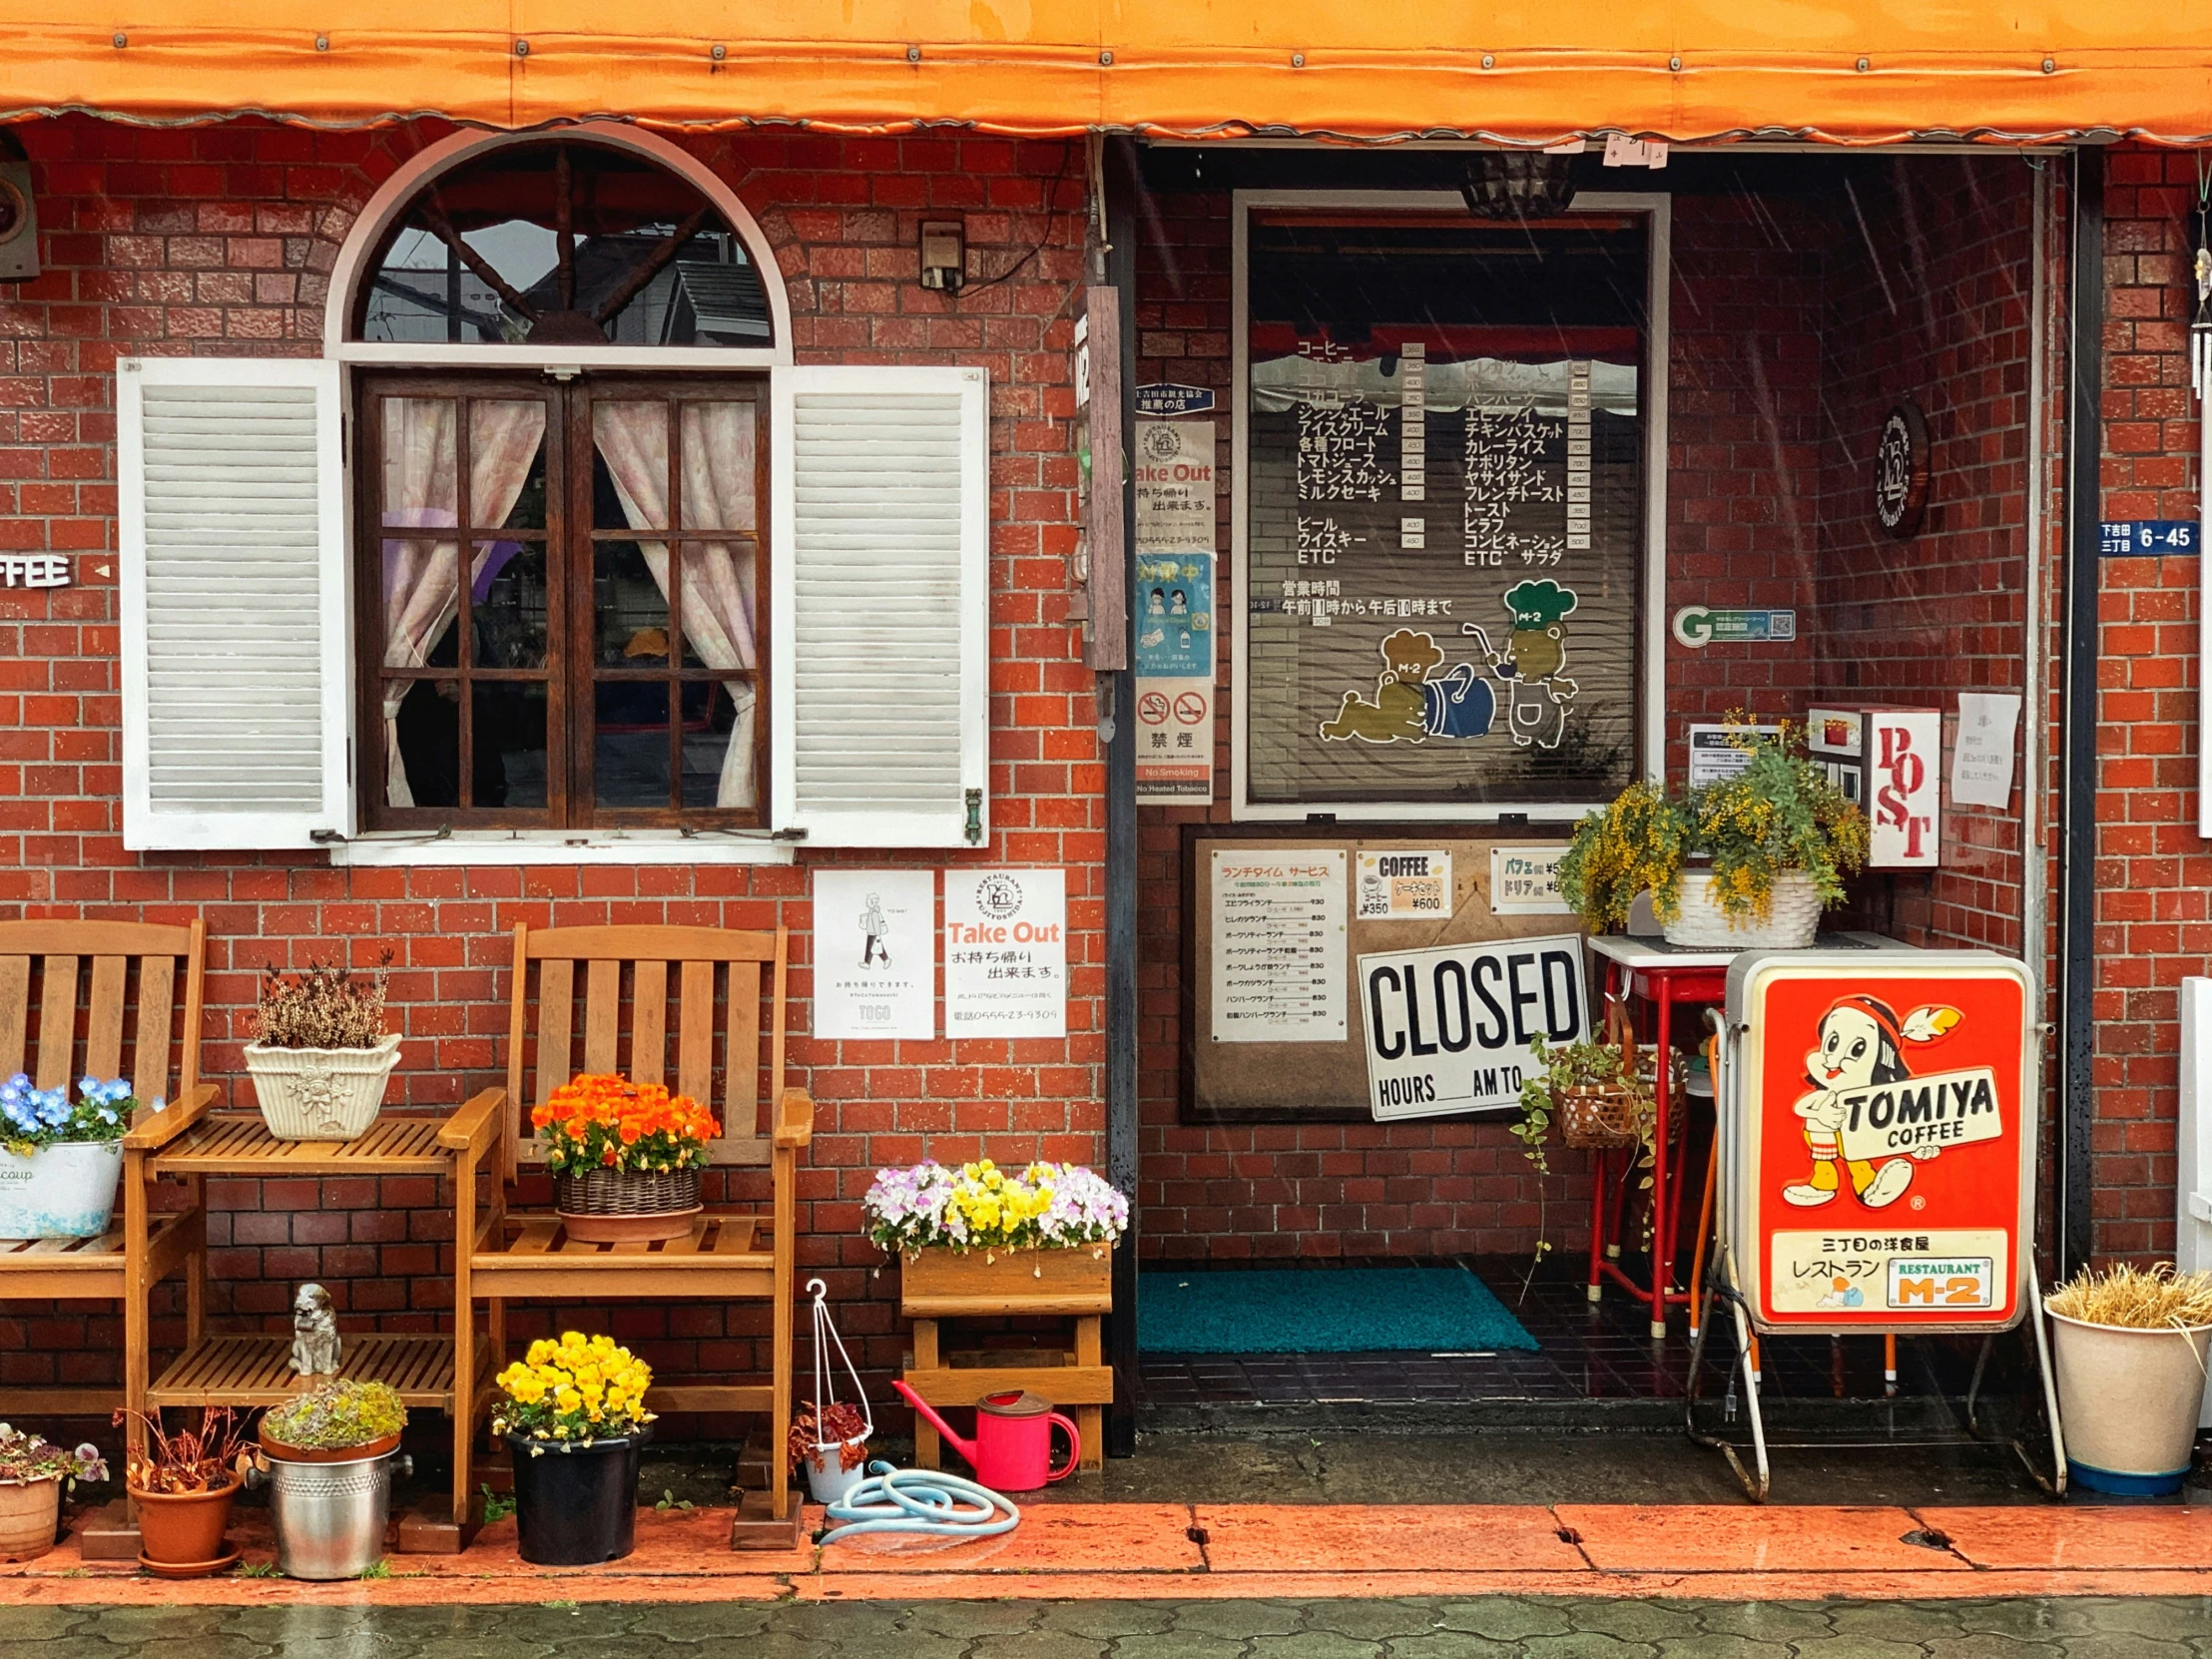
1982, 758
875, 953
1404, 887
1524, 882
1005, 953
1278, 946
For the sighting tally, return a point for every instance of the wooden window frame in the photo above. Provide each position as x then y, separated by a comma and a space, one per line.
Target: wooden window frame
570, 673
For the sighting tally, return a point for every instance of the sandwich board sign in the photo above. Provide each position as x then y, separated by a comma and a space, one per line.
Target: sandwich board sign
1878, 1140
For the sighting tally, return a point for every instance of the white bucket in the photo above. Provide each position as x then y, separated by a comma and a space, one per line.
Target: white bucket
320, 1094
1791, 919
2129, 1401
827, 1477
64, 1191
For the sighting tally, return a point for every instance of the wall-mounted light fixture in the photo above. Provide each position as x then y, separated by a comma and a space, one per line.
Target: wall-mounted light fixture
18, 214
1517, 183
944, 254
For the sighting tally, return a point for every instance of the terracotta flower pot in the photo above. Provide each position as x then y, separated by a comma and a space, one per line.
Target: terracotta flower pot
183, 1528
284, 1452
29, 1515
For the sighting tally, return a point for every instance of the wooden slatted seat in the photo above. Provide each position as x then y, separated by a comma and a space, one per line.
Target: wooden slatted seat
102, 997
627, 977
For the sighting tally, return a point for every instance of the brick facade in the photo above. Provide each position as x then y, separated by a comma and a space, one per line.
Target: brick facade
218, 241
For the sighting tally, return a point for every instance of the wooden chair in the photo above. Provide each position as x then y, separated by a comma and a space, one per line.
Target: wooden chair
105, 995
627, 976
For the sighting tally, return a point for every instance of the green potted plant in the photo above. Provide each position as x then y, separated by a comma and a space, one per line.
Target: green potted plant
1745, 862
2128, 1350
573, 1413
1592, 1096
34, 1474
329, 1463
60, 1159
321, 1057
183, 1486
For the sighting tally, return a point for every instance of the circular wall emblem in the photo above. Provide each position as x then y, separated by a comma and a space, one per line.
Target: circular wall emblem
1901, 471
1162, 443
998, 897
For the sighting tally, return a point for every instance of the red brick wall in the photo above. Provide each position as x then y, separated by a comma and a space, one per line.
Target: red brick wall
1928, 285
2153, 874
217, 241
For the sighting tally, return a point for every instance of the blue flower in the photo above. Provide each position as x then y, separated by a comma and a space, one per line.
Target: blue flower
88, 1085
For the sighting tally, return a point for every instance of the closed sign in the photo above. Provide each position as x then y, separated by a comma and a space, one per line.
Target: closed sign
1448, 1028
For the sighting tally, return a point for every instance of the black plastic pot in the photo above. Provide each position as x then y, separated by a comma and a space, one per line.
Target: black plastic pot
576, 1505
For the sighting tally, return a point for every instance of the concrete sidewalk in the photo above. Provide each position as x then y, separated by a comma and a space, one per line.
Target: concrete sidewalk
1207, 1551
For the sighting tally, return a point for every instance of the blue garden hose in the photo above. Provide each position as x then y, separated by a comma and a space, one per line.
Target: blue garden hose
920, 1501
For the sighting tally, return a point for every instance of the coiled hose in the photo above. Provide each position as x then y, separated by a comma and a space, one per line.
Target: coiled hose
940, 1506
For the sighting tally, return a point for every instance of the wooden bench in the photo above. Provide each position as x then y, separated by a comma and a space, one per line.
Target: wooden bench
105, 995
630, 980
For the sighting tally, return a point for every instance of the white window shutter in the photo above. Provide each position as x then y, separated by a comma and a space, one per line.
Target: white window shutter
881, 621
236, 679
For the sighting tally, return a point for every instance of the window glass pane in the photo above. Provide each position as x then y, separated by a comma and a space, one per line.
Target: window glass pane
421, 453
718, 451
630, 750
630, 481
419, 586
718, 604
508, 602
1446, 521
425, 728
506, 464
718, 744
509, 742
629, 613
623, 280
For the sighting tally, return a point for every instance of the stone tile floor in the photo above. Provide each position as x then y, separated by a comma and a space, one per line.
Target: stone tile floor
1408, 1628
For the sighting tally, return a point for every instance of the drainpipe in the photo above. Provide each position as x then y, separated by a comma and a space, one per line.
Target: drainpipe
1118, 176
2084, 452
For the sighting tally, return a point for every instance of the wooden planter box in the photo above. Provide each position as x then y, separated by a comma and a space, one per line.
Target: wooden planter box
944, 1284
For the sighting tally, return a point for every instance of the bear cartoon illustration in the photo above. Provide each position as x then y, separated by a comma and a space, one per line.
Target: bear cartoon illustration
1860, 1043
1532, 666
1400, 709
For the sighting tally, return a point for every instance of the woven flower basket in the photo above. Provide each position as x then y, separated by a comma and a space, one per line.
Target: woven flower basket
1791, 919
1596, 1116
618, 1205
320, 1094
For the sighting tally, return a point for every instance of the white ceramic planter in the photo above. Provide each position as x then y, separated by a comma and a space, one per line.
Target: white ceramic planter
66, 1191
2129, 1401
1791, 919
320, 1094
827, 1477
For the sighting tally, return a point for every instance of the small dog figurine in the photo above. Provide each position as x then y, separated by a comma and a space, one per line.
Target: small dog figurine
314, 1333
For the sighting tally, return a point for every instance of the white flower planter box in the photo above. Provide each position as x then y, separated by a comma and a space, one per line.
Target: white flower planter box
65, 1191
320, 1094
1791, 919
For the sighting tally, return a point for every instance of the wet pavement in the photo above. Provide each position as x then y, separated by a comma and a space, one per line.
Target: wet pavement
1411, 1627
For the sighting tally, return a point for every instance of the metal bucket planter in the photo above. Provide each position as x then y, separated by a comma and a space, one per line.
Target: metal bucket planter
320, 1094
1793, 917
329, 1515
64, 1191
576, 1501
30, 1516
2129, 1400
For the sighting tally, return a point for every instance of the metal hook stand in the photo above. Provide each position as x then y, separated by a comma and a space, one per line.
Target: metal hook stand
1757, 1481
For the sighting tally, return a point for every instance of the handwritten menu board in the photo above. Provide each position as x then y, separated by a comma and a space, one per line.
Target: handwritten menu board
1278, 946
1444, 538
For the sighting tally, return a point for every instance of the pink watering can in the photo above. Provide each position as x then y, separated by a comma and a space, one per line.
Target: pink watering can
1012, 1449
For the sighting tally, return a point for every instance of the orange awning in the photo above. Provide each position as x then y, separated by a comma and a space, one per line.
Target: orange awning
1850, 71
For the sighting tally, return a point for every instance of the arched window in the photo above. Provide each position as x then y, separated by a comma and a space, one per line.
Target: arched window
561, 242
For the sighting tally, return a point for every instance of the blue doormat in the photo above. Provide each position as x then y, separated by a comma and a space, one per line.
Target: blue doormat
1323, 1311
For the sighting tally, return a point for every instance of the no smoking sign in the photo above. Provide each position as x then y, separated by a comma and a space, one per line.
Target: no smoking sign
1152, 709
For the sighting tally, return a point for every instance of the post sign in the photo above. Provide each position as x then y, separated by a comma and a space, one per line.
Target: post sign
1879, 1134
1448, 1028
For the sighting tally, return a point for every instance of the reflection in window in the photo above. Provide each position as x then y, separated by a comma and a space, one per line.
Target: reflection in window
563, 242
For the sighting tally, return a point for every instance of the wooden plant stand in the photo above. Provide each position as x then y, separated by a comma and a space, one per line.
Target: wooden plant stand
943, 1284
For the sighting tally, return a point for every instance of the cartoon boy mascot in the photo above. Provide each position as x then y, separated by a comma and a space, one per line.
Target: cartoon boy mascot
1860, 1045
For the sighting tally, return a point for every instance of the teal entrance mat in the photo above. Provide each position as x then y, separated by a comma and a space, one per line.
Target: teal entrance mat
1323, 1311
